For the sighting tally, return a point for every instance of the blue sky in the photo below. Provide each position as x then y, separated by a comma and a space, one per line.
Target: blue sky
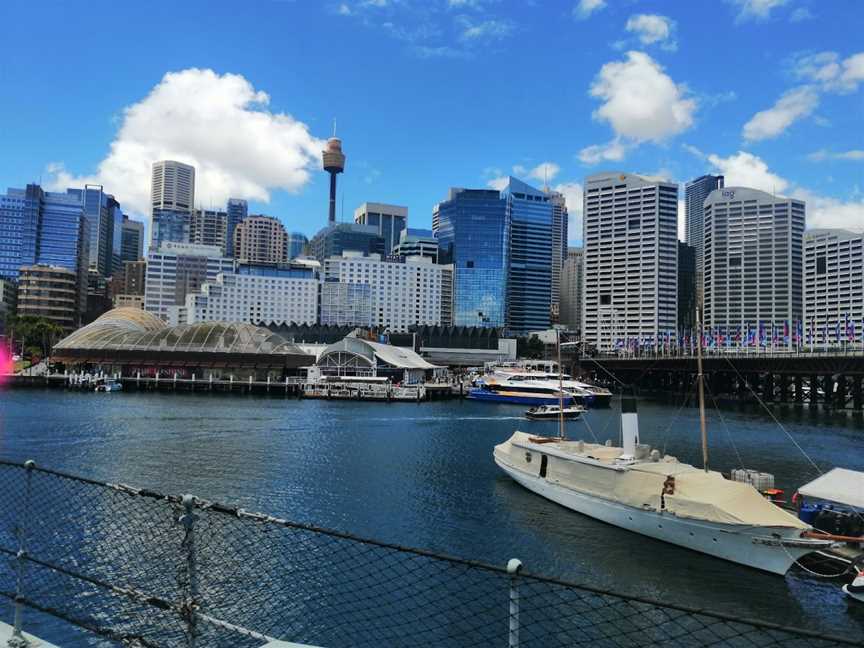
434, 93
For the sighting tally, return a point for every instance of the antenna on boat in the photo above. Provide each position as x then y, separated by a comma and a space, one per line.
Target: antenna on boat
560, 387
700, 377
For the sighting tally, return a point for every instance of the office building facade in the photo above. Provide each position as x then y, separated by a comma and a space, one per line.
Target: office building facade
695, 193
167, 226
833, 289
560, 226
752, 263
260, 239
51, 292
105, 225
417, 242
131, 240
686, 288
209, 227
571, 290
630, 235
176, 270
296, 245
473, 231
346, 304
237, 210
172, 186
333, 240
389, 220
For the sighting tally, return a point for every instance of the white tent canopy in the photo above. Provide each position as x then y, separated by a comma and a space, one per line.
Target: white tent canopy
837, 485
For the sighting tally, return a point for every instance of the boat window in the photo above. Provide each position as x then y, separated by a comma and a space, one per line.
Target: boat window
543, 461
528, 457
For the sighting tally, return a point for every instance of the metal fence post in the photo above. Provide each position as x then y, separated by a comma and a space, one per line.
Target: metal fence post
514, 566
17, 640
190, 605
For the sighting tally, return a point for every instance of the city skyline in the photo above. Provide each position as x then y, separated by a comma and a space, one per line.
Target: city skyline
780, 125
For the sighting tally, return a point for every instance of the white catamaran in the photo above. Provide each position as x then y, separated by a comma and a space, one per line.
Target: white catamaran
633, 487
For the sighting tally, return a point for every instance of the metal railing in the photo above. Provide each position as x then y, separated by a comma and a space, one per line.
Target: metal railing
146, 569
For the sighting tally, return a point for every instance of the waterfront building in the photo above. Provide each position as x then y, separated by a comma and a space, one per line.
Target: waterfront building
473, 231
335, 239
131, 240
346, 304
402, 294
752, 265
237, 210
529, 281
390, 221
51, 292
105, 225
172, 186
695, 193
417, 242
833, 288
177, 269
571, 289
258, 295
355, 356
686, 288
296, 245
167, 226
260, 239
560, 218
209, 227
630, 235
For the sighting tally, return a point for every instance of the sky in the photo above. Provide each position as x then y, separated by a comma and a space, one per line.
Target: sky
432, 94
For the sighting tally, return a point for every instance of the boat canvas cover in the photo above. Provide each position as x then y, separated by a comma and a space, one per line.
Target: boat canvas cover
837, 485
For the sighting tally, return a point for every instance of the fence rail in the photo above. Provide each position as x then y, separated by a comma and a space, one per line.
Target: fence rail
151, 570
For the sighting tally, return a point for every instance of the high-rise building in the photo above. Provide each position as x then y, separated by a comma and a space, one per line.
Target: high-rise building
51, 292
258, 295
417, 242
169, 225
297, 242
630, 237
237, 210
833, 288
105, 225
560, 218
333, 161
44, 228
571, 289
403, 294
172, 186
134, 277
261, 239
473, 231
346, 304
529, 283
390, 220
177, 269
8, 302
686, 288
752, 263
695, 193
209, 227
132, 240
333, 240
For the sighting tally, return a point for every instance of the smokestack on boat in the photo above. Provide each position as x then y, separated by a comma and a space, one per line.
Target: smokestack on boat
629, 423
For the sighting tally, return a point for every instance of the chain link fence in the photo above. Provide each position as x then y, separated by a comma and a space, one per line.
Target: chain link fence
146, 569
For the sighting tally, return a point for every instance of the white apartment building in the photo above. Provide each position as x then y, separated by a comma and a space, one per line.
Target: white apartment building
752, 262
630, 238
172, 186
177, 269
402, 294
276, 296
833, 288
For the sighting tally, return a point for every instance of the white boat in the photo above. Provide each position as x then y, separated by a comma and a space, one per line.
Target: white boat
553, 412
108, 386
635, 488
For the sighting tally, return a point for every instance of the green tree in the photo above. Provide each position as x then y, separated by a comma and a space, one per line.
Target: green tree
531, 348
36, 335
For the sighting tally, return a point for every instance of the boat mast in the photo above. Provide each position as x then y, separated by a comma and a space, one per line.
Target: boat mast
560, 387
700, 377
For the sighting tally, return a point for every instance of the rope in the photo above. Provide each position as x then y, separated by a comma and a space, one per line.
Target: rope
726, 427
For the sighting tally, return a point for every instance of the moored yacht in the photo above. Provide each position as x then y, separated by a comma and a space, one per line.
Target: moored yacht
518, 392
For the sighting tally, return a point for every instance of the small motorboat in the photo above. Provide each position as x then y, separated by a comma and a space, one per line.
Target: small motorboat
109, 386
856, 589
553, 412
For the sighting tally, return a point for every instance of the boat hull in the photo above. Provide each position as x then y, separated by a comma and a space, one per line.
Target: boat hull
552, 416
494, 397
753, 547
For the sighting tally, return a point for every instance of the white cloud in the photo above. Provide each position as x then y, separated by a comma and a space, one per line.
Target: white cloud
747, 170
343, 10
487, 30
823, 211
824, 154
756, 9
218, 123
641, 103
544, 172
833, 74
793, 105
682, 220
800, 14
652, 28
573, 195
498, 183
584, 8
613, 151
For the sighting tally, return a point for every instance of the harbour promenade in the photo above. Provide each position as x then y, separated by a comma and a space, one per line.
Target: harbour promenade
143, 568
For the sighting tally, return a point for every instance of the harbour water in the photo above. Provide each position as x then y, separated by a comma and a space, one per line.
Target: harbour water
422, 475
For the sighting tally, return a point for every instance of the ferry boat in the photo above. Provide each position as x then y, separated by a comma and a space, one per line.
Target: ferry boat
581, 396
518, 392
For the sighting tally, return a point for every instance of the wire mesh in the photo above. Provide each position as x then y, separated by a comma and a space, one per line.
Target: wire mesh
127, 565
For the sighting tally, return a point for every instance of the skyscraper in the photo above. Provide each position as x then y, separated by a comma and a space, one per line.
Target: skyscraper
261, 239
560, 217
630, 234
169, 225
172, 186
529, 282
752, 261
335, 239
105, 223
209, 227
686, 287
131, 240
297, 242
417, 242
473, 231
237, 210
571, 289
695, 193
390, 220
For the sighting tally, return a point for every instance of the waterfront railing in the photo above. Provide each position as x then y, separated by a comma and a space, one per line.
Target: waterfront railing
146, 569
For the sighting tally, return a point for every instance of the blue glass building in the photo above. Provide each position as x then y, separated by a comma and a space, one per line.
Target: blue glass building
529, 284
168, 225
105, 225
473, 231
296, 243
335, 239
237, 210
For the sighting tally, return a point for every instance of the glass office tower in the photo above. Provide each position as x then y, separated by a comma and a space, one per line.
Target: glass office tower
237, 209
473, 230
169, 225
